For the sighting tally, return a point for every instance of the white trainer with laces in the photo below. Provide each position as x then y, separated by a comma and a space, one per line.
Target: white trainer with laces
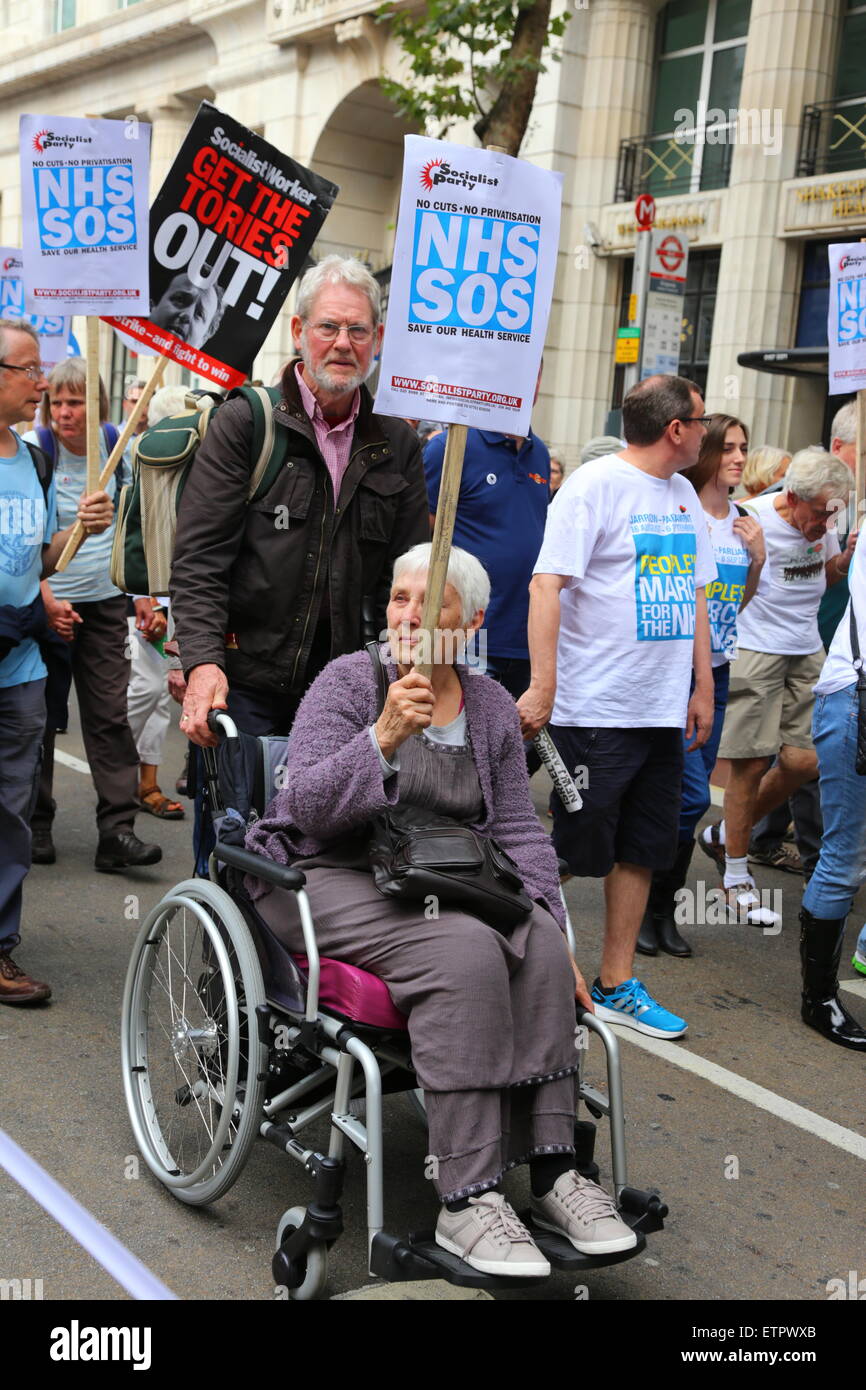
583, 1211
490, 1237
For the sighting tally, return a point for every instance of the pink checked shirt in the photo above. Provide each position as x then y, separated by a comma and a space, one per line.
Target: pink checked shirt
334, 441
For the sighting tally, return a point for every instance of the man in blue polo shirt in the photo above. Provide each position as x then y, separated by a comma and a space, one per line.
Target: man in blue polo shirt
30, 546
501, 515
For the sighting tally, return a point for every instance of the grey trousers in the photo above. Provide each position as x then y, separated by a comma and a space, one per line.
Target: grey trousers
22, 722
100, 670
491, 1019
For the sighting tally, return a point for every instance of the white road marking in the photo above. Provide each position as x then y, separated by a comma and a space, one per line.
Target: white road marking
857, 986
67, 760
717, 796
794, 1114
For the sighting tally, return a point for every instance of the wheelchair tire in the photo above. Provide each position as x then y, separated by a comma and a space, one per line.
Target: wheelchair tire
312, 1266
193, 1065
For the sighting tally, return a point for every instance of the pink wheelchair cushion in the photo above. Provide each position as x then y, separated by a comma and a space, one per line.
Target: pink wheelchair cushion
359, 995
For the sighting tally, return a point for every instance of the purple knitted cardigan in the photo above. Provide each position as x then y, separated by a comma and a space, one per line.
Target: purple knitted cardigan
334, 779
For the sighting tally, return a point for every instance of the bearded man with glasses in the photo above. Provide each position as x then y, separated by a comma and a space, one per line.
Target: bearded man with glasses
265, 595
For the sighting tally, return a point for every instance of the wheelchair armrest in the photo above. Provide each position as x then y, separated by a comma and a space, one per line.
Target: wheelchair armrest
281, 874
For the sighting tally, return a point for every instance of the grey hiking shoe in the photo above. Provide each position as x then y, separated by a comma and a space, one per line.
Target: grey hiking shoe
491, 1238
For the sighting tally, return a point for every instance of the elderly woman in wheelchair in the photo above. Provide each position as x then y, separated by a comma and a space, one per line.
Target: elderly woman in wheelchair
491, 1015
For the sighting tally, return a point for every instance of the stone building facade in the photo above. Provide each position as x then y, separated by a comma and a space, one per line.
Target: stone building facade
746, 119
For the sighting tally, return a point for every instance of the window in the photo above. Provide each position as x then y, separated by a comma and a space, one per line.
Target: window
64, 15
699, 307
846, 147
124, 364
699, 69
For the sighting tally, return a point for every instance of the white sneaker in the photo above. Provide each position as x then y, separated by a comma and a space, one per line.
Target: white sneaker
491, 1238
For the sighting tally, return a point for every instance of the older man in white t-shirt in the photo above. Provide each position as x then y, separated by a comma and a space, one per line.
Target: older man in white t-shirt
617, 623
780, 656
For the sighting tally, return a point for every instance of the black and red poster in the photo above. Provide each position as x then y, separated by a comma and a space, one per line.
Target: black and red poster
230, 230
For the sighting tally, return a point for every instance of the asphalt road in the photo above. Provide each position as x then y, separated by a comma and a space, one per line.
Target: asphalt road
760, 1155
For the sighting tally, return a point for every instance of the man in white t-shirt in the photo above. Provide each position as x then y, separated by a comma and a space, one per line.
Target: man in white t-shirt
617, 623
780, 656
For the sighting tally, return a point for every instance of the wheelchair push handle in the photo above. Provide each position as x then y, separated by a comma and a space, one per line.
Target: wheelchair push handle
221, 723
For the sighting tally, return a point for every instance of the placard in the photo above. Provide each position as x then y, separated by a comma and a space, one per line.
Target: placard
231, 228
471, 286
84, 206
53, 329
846, 319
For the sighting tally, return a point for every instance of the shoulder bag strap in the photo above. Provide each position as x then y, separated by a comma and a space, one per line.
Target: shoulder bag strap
379, 672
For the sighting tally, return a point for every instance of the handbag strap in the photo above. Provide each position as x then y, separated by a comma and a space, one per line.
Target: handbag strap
855, 645
381, 677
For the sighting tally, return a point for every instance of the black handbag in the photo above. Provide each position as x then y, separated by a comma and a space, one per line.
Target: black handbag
419, 857
860, 759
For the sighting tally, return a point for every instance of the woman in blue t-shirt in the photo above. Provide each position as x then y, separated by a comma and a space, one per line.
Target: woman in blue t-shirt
738, 547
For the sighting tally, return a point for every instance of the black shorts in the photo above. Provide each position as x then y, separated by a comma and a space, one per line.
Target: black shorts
631, 782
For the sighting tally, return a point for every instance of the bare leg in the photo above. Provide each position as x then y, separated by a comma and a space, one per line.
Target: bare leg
794, 767
626, 890
741, 795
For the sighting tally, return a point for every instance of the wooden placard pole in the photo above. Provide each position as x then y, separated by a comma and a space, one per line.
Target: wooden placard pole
91, 395
79, 535
443, 529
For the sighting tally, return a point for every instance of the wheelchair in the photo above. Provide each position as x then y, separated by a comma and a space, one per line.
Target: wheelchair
227, 1038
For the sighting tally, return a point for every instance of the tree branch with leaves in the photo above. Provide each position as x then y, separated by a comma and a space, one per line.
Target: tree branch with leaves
475, 61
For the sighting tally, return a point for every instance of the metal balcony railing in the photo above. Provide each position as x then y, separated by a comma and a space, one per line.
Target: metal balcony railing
833, 136
665, 165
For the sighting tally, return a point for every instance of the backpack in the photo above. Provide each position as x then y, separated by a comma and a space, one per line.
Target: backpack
141, 554
43, 462
48, 442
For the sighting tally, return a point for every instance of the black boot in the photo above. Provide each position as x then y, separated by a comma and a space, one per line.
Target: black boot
820, 950
647, 939
670, 882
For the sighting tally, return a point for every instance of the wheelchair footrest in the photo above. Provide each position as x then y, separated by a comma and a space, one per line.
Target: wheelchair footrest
561, 1254
644, 1211
419, 1257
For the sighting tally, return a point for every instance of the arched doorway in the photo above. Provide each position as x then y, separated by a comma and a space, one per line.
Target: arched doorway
361, 149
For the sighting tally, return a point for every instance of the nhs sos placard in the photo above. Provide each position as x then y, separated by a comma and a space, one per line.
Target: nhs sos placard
471, 286
473, 272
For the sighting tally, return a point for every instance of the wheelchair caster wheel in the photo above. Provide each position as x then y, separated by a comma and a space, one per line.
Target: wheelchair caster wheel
305, 1274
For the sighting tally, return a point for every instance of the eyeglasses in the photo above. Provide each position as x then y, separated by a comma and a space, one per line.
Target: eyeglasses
692, 420
34, 373
328, 332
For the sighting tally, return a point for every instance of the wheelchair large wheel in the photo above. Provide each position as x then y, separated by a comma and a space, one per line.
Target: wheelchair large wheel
193, 1065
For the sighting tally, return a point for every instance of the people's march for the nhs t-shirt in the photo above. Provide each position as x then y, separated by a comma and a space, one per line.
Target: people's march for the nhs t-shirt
725, 592
635, 548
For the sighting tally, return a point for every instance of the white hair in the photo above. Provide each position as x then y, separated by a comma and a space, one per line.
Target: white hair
813, 472
466, 574
844, 425
338, 270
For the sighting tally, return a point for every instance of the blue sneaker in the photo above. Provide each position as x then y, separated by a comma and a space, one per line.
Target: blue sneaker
858, 960
632, 1005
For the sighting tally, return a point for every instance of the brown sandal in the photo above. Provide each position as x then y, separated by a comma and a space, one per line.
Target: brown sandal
156, 804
